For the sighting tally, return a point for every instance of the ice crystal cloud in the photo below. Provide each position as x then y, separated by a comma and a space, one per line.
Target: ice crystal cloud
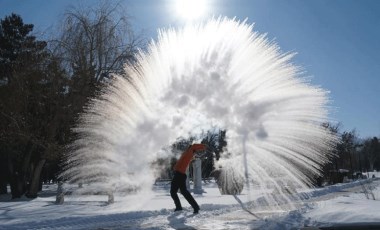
217, 74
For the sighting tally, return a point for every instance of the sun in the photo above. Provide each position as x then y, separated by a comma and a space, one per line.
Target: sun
191, 9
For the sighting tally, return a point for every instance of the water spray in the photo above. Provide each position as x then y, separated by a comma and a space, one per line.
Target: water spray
217, 74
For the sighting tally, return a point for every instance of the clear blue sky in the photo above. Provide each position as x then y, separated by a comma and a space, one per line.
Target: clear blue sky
337, 41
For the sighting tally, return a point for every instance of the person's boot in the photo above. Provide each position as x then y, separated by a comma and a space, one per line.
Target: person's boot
178, 209
196, 210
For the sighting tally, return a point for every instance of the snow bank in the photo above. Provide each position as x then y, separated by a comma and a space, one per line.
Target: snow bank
338, 204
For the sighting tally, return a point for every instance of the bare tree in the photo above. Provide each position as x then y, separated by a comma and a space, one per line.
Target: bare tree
94, 44
99, 40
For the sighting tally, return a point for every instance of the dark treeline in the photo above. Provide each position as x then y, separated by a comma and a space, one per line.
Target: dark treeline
352, 155
44, 85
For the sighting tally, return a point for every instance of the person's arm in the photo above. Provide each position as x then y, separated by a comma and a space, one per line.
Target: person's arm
198, 147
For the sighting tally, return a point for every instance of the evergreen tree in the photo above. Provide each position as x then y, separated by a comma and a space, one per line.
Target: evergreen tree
371, 150
31, 91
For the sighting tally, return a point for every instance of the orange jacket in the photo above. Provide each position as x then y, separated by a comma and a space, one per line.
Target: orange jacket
186, 157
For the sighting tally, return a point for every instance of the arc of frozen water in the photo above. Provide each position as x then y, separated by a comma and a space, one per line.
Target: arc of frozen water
216, 74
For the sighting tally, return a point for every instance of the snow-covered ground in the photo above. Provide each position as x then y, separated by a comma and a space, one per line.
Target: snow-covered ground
329, 206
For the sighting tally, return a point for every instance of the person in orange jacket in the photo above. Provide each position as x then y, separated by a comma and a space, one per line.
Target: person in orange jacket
179, 179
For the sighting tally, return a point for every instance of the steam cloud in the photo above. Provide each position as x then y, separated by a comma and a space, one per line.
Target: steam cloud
218, 74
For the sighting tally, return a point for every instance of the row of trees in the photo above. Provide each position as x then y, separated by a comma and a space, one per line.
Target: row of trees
44, 85
352, 153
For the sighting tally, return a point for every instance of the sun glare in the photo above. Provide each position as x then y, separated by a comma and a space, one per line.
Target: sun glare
191, 9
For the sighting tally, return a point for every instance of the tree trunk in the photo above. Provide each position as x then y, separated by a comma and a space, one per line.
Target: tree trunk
371, 166
19, 172
34, 185
3, 187
3, 176
40, 185
17, 188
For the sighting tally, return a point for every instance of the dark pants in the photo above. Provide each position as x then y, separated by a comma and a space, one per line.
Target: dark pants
179, 182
